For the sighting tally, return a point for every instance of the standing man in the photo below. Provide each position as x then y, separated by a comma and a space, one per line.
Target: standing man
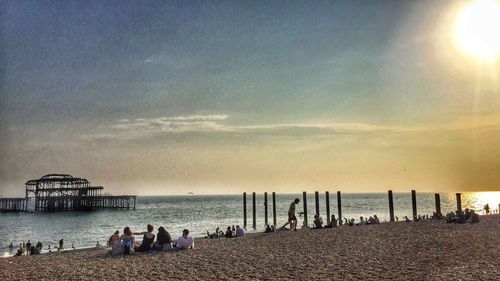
292, 219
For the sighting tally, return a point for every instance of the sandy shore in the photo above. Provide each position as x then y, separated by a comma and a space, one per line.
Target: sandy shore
427, 250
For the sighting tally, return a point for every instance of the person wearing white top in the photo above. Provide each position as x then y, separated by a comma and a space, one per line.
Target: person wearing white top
239, 231
185, 242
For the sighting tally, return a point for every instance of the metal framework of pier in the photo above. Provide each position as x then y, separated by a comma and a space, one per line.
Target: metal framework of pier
13, 205
63, 192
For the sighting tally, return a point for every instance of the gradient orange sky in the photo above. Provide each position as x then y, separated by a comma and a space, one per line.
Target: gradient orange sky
171, 97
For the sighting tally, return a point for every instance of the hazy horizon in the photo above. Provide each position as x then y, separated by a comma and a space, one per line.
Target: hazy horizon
167, 97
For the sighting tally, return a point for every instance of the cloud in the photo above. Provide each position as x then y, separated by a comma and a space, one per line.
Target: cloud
217, 123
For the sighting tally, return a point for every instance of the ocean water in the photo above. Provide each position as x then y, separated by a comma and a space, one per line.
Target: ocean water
200, 213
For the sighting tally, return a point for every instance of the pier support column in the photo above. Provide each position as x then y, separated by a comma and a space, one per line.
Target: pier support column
316, 200
391, 206
414, 204
254, 212
327, 201
304, 197
459, 202
274, 209
339, 207
265, 209
244, 210
438, 204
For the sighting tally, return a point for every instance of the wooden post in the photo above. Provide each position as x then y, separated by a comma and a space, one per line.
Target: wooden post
244, 210
327, 201
316, 199
459, 202
254, 224
265, 208
274, 209
304, 197
438, 204
391, 207
339, 207
414, 204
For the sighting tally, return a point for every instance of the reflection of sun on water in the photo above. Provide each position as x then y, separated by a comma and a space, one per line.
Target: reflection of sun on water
477, 200
477, 30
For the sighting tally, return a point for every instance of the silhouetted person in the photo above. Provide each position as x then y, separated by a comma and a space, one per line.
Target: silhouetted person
61, 244
333, 221
318, 222
487, 209
268, 229
292, 219
229, 232
28, 248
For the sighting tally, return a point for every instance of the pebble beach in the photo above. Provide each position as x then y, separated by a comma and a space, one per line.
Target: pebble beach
425, 250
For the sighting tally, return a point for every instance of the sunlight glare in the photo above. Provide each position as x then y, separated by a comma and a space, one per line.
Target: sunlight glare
478, 29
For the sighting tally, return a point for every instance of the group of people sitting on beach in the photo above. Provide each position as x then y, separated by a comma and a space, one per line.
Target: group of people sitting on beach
125, 244
462, 217
231, 232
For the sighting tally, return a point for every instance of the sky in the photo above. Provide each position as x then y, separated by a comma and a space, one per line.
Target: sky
170, 97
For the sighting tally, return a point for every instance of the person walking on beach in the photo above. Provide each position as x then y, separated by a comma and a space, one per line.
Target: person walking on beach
292, 219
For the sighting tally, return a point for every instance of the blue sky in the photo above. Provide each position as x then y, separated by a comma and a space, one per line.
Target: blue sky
237, 95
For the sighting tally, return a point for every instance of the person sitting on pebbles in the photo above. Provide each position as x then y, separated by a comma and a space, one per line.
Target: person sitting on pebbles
114, 238
185, 241
318, 222
147, 240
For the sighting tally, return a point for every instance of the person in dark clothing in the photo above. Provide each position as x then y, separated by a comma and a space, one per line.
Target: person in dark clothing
229, 233
268, 229
61, 244
163, 239
147, 240
318, 222
28, 247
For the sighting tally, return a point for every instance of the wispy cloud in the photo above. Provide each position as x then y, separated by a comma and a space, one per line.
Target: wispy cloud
218, 123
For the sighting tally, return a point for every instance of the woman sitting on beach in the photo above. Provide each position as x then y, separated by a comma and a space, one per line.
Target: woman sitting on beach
163, 240
147, 240
114, 238
128, 242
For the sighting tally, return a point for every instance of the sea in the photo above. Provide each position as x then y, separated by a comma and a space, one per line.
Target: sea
202, 213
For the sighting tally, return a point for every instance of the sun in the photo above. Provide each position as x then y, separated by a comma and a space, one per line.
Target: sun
477, 29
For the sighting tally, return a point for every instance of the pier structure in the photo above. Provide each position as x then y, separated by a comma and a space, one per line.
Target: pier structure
62, 192
8, 205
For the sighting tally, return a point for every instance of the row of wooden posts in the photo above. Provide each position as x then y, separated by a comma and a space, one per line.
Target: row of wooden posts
13, 205
339, 206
